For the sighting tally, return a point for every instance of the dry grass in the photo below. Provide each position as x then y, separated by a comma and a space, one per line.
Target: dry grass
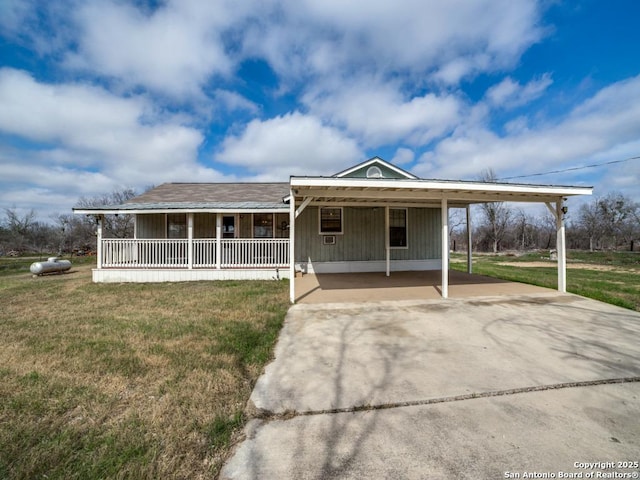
128, 381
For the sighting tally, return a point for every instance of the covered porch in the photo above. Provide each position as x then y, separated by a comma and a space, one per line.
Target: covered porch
408, 285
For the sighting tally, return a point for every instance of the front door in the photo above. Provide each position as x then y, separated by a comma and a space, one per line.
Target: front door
228, 226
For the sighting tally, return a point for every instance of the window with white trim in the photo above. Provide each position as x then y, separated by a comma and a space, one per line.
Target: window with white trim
330, 220
262, 225
398, 227
176, 225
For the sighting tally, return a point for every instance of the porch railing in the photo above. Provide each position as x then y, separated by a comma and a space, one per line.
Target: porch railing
197, 253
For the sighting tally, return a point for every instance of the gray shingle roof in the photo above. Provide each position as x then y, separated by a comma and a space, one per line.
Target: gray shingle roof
213, 193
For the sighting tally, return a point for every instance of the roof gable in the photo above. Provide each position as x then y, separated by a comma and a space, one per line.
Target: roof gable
375, 168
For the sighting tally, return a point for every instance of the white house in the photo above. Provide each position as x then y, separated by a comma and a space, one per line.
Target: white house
372, 217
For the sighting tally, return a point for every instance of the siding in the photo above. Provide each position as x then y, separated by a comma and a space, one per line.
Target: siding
204, 225
364, 236
151, 226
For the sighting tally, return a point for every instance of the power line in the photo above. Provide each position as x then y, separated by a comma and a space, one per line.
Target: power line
571, 169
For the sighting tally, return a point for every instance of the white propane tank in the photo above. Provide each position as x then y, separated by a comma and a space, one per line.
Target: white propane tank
52, 265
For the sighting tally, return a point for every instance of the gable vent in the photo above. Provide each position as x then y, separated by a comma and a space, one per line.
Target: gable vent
374, 172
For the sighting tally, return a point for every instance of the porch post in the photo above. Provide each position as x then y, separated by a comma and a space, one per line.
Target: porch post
469, 242
561, 248
218, 240
387, 240
99, 240
292, 246
190, 241
445, 248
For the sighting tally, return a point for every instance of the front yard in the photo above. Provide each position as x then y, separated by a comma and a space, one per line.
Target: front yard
128, 380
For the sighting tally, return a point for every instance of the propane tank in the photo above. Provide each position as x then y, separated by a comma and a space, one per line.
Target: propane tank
52, 265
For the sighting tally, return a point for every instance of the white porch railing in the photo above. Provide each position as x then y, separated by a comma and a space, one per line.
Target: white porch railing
162, 253
254, 252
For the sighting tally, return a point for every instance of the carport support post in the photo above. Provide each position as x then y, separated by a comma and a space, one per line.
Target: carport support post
445, 249
292, 246
469, 242
561, 248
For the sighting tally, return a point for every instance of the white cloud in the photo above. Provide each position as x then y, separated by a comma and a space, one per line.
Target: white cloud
118, 131
232, 101
292, 144
450, 39
510, 93
84, 140
174, 49
403, 156
594, 128
13, 14
378, 114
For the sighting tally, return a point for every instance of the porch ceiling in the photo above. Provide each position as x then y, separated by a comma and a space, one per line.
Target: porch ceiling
424, 192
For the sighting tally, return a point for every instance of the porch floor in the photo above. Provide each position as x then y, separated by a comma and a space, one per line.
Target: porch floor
415, 285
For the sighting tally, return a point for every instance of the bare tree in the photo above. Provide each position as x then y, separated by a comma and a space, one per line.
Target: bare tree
115, 226
609, 221
497, 215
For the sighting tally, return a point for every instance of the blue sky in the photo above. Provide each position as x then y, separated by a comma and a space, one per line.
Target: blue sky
97, 95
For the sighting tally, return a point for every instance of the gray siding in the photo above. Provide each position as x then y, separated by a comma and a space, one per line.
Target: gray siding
151, 226
364, 236
204, 225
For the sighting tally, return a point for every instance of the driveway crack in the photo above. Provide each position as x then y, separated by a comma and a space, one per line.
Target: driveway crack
289, 414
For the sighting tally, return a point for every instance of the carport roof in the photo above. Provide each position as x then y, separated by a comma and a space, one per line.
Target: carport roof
424, 191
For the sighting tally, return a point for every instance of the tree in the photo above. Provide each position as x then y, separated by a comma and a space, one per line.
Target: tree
609, 221
496, 214
114, 226
618, 218
16, 229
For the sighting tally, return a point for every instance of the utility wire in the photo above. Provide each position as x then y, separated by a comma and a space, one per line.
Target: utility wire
570, 169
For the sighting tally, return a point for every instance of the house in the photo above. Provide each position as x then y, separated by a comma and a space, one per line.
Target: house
372, 217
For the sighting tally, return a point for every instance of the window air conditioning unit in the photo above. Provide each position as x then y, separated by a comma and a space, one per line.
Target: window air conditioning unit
328, 239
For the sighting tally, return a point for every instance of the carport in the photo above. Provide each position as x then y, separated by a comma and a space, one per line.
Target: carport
414, 192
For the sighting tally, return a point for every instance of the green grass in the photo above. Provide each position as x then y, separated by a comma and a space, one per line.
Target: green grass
612, 277
128, 380
21, 264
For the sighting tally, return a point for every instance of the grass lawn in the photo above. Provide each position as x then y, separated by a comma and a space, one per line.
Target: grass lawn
128, 380
612, 277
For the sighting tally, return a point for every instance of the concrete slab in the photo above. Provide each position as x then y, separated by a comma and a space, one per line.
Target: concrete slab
344, 355
436, 355
488, 438
418, 285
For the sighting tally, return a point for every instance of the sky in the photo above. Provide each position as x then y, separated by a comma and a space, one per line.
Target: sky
102, 95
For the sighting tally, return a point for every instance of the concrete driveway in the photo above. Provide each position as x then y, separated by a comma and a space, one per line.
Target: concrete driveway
492, 387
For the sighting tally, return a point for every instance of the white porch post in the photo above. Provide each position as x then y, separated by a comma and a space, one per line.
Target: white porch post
387, 240
292, 246
445, 249
469, 242
218, 240
190, 241
99, 240
561, 248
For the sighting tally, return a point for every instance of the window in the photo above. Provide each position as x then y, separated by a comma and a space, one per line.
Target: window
262, 225
330, 220
177, 225
398, 227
